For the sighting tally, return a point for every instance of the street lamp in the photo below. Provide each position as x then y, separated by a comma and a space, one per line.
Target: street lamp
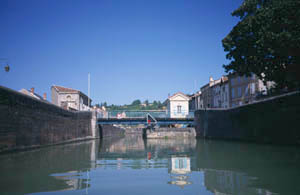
7, 67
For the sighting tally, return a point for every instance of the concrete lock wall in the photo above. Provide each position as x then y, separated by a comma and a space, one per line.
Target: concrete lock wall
28, 122
276, 120
110, 131
170, 133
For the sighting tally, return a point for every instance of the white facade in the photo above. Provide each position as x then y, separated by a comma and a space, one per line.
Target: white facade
70, 98
216, 96
224, 95
178, 105
199, 101
220, 92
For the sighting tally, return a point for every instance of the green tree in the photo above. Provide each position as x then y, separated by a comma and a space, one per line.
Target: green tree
136, 102
266, 41
160, 105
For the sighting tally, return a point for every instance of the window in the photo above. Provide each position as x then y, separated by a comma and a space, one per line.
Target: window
238, 80
247, 90
232, 81
252, 88
178, 109
68, 98
181, 163
232, 92
239, 92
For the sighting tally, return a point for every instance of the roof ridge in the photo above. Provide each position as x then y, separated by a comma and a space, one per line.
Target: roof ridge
64, 87
179, 92
57, 88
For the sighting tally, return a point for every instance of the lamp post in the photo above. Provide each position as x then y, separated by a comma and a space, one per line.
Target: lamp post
89, 86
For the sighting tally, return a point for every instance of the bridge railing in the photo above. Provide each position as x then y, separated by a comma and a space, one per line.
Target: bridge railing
142, 114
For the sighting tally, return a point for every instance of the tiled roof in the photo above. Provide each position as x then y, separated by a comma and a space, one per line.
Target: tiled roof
29, 93
64, 89
224, 78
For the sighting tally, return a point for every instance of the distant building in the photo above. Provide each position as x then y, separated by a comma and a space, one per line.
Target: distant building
70, 99
178, 105
206, 95
244, 90
194, 103
33, 94
220, 93
229, 91
199, 101
225, 93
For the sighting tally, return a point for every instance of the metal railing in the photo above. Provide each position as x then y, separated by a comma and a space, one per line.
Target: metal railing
143, 113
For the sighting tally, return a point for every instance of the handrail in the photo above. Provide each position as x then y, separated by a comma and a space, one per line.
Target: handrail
143, 114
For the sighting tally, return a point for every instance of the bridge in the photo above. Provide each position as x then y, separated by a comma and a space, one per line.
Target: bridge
145, 117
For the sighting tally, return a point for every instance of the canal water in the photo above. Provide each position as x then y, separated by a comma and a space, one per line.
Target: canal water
132, 166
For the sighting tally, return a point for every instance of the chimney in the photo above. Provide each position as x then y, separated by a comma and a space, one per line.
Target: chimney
45, 96
32, 90
211, 79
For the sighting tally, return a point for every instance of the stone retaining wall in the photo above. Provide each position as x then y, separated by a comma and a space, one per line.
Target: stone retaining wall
276, 120
26, 122
110, 131
170, 133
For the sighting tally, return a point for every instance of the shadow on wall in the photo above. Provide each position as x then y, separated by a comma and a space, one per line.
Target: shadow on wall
110, 131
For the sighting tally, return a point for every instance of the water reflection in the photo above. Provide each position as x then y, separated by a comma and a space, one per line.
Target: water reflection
61, 167
180, 166
135, 166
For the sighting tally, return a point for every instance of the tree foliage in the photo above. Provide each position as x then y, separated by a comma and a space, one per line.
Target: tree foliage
266, 40
136, 102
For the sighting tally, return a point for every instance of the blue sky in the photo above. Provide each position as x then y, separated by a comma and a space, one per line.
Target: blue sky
133, 49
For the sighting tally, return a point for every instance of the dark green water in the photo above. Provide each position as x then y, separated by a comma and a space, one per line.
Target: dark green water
132, 166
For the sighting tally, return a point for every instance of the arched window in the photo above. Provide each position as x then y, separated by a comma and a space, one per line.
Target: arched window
68, 98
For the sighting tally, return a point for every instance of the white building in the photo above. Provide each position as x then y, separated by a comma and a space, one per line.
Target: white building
178, 105
220, 92
70, 99
216, 92
244, 89
225, 94
196, 101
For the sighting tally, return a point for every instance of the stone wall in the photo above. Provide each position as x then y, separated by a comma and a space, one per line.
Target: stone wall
170, 133
276, 120
27, 122
110, 131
